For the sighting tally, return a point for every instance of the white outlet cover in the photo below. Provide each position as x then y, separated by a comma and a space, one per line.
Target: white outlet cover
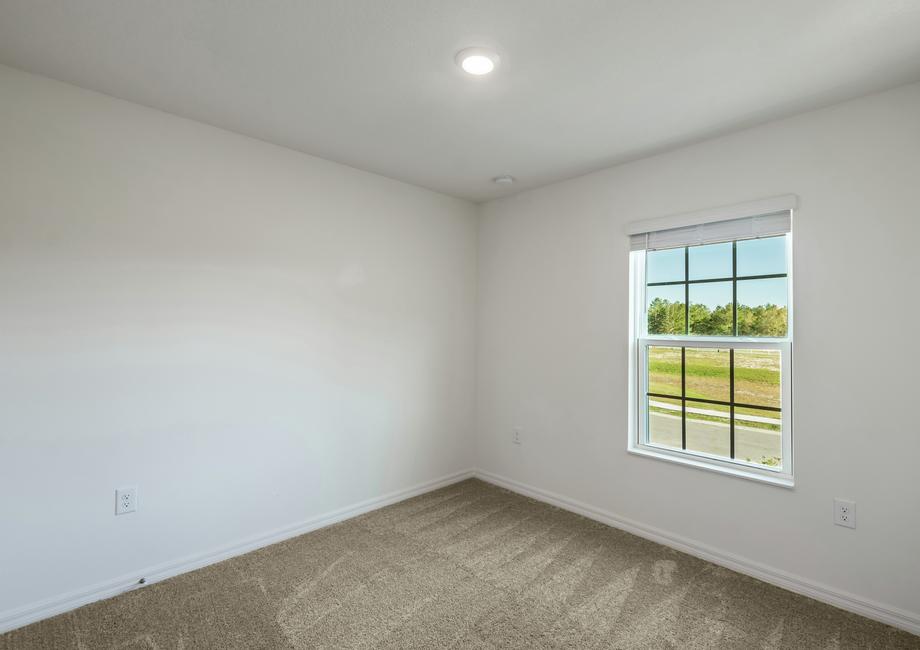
845, 513
125, 500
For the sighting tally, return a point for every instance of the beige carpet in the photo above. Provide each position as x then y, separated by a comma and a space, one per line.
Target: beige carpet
468, 566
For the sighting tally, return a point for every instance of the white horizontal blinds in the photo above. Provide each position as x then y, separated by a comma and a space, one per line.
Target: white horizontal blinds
765, 225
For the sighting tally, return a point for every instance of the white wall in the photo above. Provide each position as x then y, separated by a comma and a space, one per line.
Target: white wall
553, 344
256, 337
252, 336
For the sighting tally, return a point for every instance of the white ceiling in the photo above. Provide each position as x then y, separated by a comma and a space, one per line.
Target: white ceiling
583, 84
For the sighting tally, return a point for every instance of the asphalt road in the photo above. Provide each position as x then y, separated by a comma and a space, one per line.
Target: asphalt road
713, 437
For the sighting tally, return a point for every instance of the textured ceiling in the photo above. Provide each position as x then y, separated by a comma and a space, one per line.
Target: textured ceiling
583, 84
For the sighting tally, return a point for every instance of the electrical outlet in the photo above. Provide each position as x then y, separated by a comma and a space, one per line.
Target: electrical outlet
516, 436
125, 500
845, 513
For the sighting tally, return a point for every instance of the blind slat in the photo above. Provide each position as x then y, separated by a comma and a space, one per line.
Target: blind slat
766, 225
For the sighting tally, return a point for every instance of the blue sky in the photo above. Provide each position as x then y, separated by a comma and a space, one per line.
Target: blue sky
755, 257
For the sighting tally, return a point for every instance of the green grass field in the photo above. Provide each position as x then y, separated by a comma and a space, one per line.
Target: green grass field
757, 379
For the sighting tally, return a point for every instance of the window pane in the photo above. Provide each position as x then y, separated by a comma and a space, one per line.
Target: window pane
762, 256
664, 368
758, 437
665, 266
757, 378
666, 309
707, 430
711, 309
710, 261
664, 426
708, 375
762, 307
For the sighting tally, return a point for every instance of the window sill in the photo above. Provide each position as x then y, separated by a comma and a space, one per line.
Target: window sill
780, 480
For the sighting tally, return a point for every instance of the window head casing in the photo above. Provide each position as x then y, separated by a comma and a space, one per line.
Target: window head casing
711, 339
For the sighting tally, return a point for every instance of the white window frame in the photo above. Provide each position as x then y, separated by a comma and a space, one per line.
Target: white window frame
638, 419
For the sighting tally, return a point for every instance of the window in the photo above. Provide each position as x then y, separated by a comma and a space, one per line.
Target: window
712, 336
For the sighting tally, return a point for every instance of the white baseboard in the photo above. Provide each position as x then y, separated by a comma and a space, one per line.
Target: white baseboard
870, 609
905, 620
12, 619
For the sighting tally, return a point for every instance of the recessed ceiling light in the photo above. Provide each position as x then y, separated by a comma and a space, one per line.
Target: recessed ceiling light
477, 60
503, 180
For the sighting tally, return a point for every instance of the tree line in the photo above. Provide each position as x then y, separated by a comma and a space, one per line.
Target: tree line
666, 317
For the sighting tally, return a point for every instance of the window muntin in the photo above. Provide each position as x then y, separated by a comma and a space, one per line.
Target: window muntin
714, 356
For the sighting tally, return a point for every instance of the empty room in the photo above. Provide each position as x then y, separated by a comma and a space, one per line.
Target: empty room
459, 324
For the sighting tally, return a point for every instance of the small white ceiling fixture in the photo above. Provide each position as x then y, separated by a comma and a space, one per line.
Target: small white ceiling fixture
503, 180
477, 60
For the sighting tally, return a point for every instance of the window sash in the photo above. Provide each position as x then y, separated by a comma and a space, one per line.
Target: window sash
641, 398
640, 291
